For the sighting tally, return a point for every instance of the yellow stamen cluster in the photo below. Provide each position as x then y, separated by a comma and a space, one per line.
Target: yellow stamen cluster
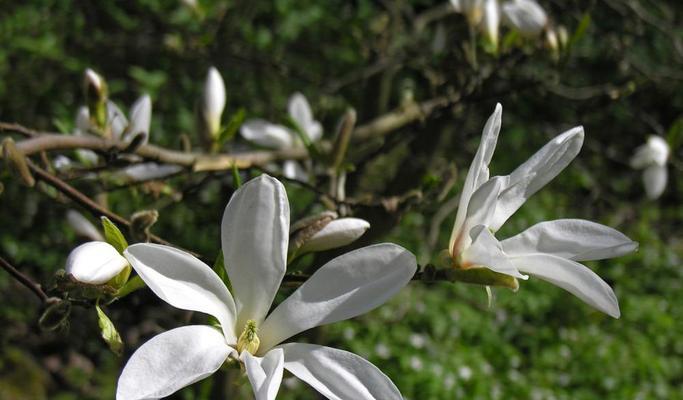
248, 340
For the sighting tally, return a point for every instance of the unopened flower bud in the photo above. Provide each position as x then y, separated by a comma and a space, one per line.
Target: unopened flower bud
95, 263
96, 97
141, 222
337, 233
491, 22
552, 42
213, 102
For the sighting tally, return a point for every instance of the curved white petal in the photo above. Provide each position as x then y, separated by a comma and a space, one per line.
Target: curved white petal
337, 233
116, 119
338, 374
255, 237
140, 119
293, 170
264, 133
265, 373
575, 239
349, 285
491, 21
314, 130
486, 251
185, 282
172, 360
95, 263
83, 227
535, 173
654, 178
655, 151
479, 170
213, 100
480, 210
82, 121
94, 79
526, 16
299, 110
573, 277
148, 171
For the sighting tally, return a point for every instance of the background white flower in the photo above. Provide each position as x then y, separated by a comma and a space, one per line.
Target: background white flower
267, 134
548, 250
213, 101
255, 234
525, 16
651, 158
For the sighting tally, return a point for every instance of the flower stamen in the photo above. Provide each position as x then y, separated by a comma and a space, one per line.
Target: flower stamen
248, 340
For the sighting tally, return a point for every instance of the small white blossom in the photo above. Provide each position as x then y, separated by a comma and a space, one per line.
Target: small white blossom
213, 101
651, 158
337, 233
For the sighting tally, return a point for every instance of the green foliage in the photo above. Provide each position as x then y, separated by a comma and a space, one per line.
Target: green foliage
108, 331
113, 235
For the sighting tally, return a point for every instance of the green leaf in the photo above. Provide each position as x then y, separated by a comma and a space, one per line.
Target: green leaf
109, 332
132, 285
121, 278
113, 235
580, 30
236, 120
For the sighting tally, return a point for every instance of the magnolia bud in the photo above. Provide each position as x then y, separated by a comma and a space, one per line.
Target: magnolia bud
95, 263
525, 16
213, 102
336, 233
96, 97
563, 37
552, 42
140, 120
141, 222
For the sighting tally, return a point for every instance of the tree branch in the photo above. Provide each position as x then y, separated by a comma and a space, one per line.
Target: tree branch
24, 280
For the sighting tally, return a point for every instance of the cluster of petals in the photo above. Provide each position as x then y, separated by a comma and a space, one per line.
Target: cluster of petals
255, 234
524, 16
651, 158
267, 134
549, 250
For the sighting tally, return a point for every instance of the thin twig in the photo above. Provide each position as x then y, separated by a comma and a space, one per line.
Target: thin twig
24, 280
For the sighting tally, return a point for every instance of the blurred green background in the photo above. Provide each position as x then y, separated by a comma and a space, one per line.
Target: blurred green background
621, 78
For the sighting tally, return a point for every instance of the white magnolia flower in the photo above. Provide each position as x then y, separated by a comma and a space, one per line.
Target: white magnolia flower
213, 101
337, 233
525, 16
548, 250
267, 134
95, 263
255, 233
82, 226
652, 157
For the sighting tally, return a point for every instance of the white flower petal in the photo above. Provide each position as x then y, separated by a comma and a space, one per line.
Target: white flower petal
82, 226
172, 360
654, 178
82, 121
293, 170
575, 239
140, 119
535, 173
338, 374
486, 251
255, 237
573, 277
213, 100
95, 263
349, 285
265, 373
185, 282
93, 78
479, 170
264, 133
491, 21
299, 110
526, 16
337, 233
116, 119
148, 171
314, 130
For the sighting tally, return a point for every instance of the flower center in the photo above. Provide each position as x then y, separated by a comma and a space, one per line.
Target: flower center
248, 340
